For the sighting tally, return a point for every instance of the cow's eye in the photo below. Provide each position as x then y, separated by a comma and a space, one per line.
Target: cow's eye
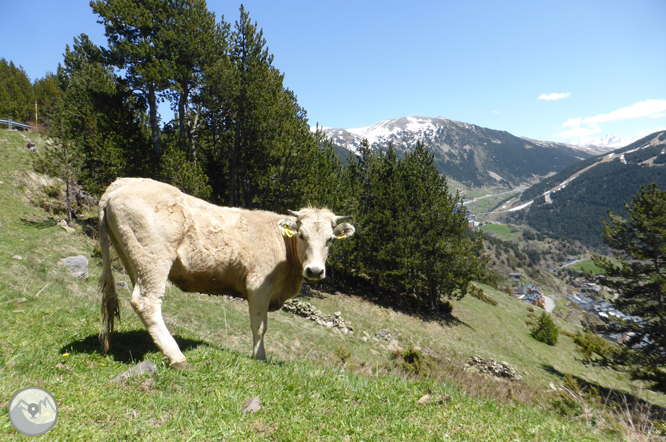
301, 235
329, 241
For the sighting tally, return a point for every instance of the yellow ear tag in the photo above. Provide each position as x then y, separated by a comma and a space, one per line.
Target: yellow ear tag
342, 236
286, 231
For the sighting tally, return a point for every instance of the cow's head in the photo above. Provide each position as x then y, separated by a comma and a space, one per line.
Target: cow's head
315, 230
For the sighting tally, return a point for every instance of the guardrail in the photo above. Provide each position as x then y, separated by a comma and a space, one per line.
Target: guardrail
14, 124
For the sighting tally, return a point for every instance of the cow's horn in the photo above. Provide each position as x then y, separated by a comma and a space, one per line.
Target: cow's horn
294, 213
337, 219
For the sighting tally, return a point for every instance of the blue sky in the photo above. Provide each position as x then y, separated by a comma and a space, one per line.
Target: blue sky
547, 70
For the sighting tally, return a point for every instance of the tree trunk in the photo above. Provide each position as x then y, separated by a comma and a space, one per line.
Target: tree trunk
69, 203
375, 285
233, 160
154, 127
182, 127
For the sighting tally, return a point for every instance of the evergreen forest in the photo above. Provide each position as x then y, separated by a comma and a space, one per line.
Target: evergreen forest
238, 138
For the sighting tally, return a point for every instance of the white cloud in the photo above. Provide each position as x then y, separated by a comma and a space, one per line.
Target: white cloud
578, 132
573, 122
554, 96
582, 127
647, 108
495, 111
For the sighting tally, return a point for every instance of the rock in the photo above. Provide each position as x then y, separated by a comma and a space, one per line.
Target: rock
492, 368
307, 310
31, 146
17, 257
424, 400
139, 369
251, 405
78, 265
62, 223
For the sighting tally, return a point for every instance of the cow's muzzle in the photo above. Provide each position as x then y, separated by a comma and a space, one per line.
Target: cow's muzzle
314, 273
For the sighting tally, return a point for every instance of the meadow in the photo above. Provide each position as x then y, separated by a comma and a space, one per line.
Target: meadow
318, 384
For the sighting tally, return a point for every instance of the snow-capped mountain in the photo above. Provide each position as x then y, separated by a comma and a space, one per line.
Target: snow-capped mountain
465, 152
607, 143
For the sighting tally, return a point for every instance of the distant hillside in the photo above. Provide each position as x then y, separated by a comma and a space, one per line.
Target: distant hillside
572, 203
469, 154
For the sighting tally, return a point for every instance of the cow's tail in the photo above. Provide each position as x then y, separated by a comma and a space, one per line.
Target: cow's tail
110, 310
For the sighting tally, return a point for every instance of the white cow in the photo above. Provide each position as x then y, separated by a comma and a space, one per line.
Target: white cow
161, 233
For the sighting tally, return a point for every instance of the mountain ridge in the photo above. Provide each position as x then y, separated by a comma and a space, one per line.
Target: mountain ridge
572, 202
467, 153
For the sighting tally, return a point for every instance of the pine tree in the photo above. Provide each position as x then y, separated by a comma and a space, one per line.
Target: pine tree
48, 94
102, 117
138, 48
639, 242
62, 160
545, 330
16, 93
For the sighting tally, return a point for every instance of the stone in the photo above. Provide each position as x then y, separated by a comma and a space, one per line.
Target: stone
139, 369
251, 405
78, 266
308, 311
424, 400
492, 368
17, 257
63, 224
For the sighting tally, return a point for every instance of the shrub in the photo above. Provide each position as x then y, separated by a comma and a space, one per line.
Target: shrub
590, 345
343, 353
414, 362
545, 330
478, 293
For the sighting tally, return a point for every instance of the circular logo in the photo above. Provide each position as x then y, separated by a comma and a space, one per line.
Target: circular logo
33, 411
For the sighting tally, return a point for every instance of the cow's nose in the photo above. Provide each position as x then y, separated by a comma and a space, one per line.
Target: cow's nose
314, 272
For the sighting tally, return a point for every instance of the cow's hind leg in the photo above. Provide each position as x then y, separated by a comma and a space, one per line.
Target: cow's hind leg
258, 303
147, 303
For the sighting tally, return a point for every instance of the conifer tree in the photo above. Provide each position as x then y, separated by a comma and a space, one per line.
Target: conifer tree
639, 242
16, 93
48, 95
102, 117
138, 48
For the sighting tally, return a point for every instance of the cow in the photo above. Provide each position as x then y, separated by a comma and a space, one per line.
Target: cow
163, 234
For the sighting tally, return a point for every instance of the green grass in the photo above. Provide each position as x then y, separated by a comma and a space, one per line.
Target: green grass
590, 266
502, 230
307, 392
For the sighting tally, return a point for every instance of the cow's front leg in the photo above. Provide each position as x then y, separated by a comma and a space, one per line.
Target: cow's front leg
258, 303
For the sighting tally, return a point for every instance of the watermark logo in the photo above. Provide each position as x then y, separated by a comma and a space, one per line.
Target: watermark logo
33, 411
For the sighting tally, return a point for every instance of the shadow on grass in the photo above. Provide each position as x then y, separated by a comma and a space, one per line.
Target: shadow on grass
38, 221
126, 347
609, 395
407, 306
89, 227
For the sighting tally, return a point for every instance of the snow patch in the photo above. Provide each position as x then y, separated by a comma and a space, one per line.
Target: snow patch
521, 207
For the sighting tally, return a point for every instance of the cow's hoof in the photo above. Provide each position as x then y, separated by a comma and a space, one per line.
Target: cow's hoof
180, 365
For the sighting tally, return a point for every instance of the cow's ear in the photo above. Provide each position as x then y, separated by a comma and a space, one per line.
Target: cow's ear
344, 230
288, 227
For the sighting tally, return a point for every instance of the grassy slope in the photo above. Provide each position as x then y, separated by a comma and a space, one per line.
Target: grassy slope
305, 393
